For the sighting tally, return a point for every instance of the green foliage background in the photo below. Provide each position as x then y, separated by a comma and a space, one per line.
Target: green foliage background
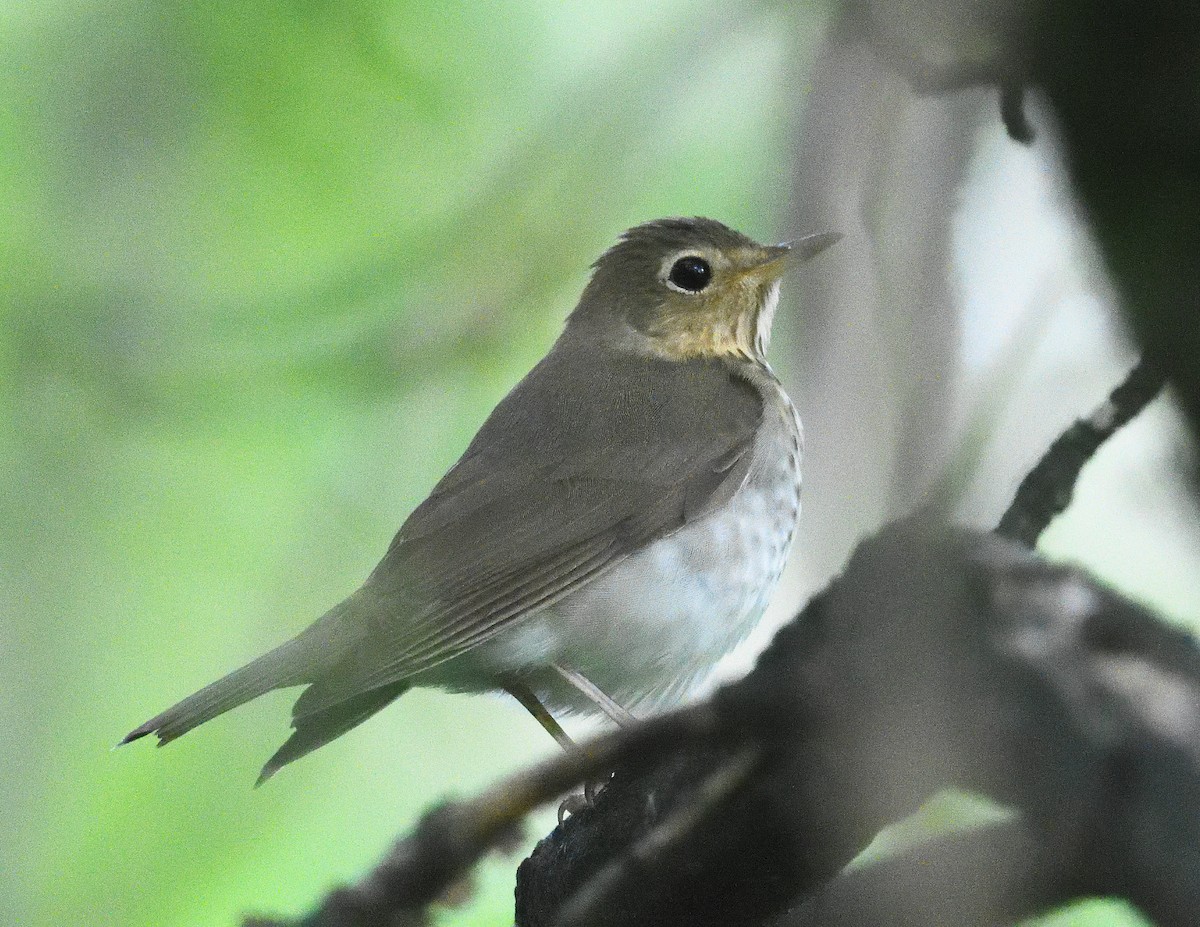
265, 267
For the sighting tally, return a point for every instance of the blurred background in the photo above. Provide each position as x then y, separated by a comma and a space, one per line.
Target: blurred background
265, 268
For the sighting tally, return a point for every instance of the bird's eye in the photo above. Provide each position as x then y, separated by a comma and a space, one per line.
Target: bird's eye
690, 274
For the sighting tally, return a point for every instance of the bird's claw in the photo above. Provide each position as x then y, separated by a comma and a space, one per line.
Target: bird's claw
580, 801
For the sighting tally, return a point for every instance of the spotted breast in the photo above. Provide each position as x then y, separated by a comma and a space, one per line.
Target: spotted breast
652, 629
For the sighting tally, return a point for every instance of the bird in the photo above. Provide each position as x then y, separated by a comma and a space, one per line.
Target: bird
616, 526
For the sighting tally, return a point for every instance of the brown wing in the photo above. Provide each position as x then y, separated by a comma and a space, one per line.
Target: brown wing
593, 456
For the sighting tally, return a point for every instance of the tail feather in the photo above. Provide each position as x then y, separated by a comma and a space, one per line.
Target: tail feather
280, 668
316, 729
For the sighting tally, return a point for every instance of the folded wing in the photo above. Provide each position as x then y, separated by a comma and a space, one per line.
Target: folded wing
569, 476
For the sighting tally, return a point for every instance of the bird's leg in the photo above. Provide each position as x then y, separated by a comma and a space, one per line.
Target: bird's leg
617, 712
607, 704
532, 704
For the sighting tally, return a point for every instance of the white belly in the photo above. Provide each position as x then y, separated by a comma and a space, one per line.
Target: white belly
651, 629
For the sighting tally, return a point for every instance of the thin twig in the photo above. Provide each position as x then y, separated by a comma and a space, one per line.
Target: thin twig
1047, 489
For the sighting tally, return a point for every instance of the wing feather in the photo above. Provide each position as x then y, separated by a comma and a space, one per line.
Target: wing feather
570, 475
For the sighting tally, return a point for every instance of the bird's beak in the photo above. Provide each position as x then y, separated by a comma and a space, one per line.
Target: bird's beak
776, 258
806, 248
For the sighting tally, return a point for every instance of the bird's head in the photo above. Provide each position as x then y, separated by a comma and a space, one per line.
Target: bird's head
684, 288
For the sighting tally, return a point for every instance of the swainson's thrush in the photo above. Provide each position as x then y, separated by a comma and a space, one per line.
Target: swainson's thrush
617, 525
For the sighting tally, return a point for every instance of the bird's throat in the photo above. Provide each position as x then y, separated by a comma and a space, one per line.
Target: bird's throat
744, 334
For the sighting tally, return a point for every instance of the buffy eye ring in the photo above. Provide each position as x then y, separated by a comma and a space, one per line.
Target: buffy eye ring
689, 274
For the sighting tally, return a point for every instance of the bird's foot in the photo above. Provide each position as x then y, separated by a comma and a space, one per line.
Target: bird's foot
581, 801
572, 805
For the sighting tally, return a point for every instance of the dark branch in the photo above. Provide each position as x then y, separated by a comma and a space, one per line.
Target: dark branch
656, 851
1050, 715
1047, 489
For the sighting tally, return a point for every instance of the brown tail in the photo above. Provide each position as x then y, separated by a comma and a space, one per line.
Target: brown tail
317, 728
282, 667
312, 657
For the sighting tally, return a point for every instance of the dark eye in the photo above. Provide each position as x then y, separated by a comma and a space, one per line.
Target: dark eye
690, 273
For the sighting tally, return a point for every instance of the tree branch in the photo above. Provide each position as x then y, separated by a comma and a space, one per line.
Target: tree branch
851, 713
1047, 489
